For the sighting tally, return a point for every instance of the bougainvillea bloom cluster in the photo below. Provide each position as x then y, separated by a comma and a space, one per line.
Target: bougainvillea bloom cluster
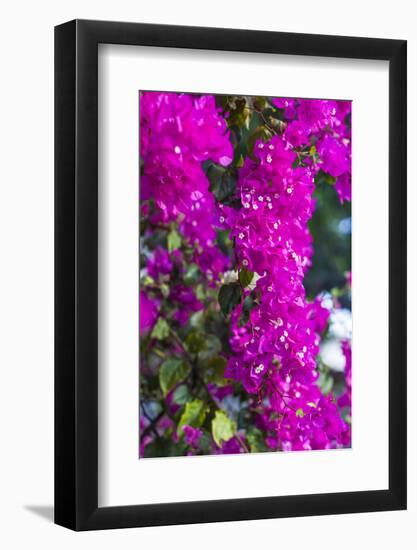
178, 133
230, 335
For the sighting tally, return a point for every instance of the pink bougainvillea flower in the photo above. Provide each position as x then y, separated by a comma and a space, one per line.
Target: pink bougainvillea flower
148, 312
192, 435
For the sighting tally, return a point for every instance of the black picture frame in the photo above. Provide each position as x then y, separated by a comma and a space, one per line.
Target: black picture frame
76, 272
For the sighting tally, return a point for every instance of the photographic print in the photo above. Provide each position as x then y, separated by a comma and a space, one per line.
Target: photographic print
245, 280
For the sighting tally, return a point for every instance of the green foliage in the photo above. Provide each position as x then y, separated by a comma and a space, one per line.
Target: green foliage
224, 242
222, 182
181, 395
229, 296
174, 240
322, 178
195, 342
222, 428
171, 372
245, 277
194, 415
256, 440
161, 447
212, 347
248, 304
160, 330
239, 111
214, 371
191, 275
206, 442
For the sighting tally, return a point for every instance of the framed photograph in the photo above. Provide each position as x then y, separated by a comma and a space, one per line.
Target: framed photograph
230, 253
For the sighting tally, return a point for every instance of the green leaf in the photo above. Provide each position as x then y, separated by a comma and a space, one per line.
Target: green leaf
200, 293
248, 305
260, 103
245, 277
181, 395
214, 372
195, 342
197, 319
299, 413
337, 292
212, 347
194, 415
346, 415
240, 161
174, 240
204, 345
222, 182
229, 297
324, 178
171, 372
224, 242
164, 288
192, 275
205, 443
222, 428
148, 281
239, 113
160, 330
256, 441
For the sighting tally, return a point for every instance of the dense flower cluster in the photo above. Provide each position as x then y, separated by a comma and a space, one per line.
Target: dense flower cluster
322, 123
275, 330
275, 352
178, 133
